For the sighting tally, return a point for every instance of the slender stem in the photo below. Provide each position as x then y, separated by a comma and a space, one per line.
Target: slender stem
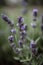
37, 39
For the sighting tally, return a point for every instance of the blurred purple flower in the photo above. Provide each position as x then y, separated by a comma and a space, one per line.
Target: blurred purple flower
24, 27
23, 33
20, 43
33, 25
20, 19
13, 31
5, 18
33, 47
35, 12
22, 37
11, 39
32, 44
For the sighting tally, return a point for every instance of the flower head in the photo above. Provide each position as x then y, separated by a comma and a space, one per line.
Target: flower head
20, 20
5, 18
35, 12
20, 42
23, 33
32, 44
13, 31
23, 27
33, 25
11, 39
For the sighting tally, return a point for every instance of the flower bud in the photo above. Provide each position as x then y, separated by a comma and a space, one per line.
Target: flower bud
32, 44
20, 20
33, 25
20, 42
35, 12
13, 31
5, 18
11, 39
23, 33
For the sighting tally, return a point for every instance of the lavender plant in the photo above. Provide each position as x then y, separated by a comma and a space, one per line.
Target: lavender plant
25, 49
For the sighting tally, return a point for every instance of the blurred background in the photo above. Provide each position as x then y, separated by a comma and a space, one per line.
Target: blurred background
13, 9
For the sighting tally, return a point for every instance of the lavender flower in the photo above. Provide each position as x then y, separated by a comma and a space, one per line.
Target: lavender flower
23, 27
11, 39
13, 31
5, 18
23, 33
33, 47
32, 44
22, 37
33, 25
20, 20
35, 12
20, 42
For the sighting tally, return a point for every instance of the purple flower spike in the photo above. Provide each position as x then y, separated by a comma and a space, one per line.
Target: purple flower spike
13, 31
32, 44
33, 47
5, 18
11, 39
33, 25
35, 12
20, 20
